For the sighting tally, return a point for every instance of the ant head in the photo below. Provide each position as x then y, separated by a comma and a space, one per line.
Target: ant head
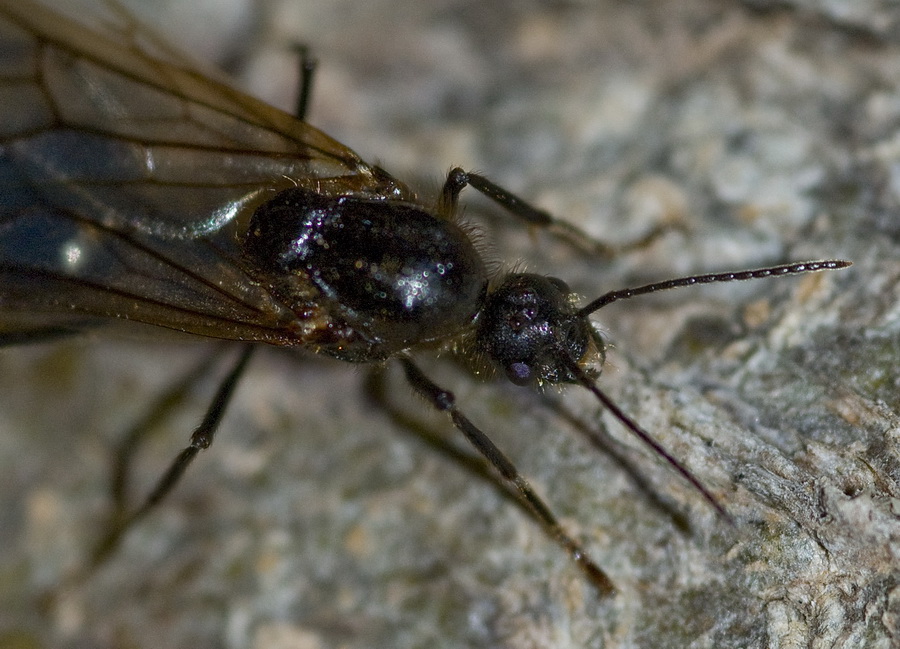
531, 329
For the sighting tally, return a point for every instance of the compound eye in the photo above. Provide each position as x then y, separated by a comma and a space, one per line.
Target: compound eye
520, 373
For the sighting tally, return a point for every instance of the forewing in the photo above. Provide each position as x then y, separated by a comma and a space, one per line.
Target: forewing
126, 177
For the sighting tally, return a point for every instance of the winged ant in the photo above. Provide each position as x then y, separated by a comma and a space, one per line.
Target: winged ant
217, 215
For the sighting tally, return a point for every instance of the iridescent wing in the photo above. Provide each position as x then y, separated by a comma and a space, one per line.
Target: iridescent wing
126, 177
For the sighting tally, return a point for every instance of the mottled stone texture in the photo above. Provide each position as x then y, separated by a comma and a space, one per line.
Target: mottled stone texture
766, 130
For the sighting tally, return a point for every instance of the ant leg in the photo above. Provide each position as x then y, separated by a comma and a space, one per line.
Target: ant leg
201, 439
444, 401
476, 465
457, 179
139, 432
307, 75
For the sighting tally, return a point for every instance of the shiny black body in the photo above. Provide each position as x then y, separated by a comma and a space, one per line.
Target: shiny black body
389, 274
